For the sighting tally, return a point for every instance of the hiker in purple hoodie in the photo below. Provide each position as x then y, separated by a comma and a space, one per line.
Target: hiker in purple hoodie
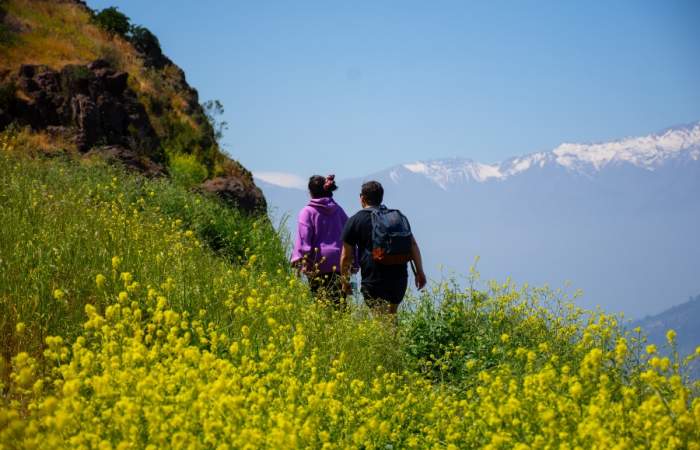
318, 245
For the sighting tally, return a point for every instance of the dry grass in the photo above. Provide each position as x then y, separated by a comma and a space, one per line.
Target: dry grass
41, 143
54, 35
59, 34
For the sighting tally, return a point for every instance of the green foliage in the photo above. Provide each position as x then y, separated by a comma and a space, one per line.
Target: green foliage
113, 21
112, 55
214, 110
182, 138
197, 324
64, 223
186, 170
59, 227
144, 41
453, 334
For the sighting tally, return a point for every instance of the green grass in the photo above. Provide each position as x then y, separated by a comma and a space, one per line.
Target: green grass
176, 275
63, 223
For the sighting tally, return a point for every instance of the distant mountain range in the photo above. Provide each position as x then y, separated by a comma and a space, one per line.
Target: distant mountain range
619, 220
684, 319
649, 152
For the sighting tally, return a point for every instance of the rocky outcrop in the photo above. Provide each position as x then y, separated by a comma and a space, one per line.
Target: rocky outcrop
93, 107
93, 101
114, 154
237, 192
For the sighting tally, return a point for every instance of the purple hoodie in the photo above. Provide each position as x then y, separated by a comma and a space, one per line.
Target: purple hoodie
318, 238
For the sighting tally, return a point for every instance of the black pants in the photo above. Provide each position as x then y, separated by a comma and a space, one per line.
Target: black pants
328, 289
391, 292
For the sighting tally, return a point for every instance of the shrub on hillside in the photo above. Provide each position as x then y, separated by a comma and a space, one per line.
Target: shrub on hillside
214, 110
186, 170
148, 45
113, 21
144, 41
112, 55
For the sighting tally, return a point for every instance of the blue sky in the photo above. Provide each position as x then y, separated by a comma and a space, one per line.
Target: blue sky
355, 87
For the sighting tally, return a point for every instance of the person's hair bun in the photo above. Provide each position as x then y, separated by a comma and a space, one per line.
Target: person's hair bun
320, 186
329, 183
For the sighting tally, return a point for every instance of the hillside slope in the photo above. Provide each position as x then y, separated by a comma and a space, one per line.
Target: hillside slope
121, 328
684, 319
80, 88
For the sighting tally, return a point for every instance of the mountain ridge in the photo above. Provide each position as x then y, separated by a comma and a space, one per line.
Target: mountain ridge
648, 152
659, 147
683, 319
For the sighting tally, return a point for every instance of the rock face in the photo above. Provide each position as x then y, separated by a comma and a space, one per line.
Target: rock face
129, 159
93, 107
93, 100
236, 192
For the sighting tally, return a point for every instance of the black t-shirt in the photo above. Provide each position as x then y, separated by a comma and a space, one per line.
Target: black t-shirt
358, 232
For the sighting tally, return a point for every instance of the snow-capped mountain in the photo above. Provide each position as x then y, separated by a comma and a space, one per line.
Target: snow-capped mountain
620, 219
648, 152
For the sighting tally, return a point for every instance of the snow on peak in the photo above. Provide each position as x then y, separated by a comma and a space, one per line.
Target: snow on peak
647, 152
449, 171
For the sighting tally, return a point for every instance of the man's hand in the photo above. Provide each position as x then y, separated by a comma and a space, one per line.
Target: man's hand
418, 261
420, 280
346, 259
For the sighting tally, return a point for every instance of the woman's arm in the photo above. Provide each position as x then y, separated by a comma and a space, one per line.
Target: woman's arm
303, 244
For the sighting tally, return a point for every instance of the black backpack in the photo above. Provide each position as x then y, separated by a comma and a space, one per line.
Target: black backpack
392, 239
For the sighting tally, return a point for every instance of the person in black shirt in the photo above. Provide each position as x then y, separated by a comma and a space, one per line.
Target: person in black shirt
383, 285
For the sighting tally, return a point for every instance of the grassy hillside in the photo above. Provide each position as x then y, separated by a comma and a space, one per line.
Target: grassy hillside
61, 33
137, 314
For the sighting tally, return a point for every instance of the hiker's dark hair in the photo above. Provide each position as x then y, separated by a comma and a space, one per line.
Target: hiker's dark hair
320, 186
373, 193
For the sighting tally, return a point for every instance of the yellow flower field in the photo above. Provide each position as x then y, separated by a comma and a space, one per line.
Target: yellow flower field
125, 326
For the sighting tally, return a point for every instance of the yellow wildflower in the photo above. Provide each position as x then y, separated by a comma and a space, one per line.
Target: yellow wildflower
671, 336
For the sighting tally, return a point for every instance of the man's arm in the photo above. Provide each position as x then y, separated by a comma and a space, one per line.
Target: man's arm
418, 260
346, 259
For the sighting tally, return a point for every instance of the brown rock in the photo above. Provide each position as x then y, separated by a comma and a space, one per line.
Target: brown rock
94, 99
114, 154
238, 193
